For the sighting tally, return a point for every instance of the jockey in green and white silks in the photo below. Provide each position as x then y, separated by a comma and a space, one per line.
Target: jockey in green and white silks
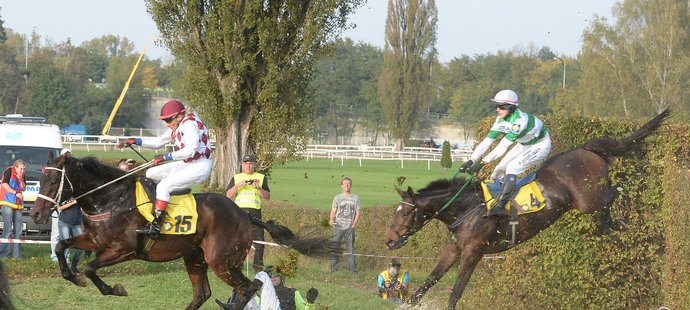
533, 145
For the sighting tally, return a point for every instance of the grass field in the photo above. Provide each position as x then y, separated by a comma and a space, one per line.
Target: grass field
36, 282
314, 182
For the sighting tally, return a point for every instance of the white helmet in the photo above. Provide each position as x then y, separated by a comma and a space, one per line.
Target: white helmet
506, 96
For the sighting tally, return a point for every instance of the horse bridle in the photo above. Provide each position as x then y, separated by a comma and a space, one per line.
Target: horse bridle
426, 218
411, 224
58, 195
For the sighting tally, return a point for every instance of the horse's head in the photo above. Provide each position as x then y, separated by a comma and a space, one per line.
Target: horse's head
55, 187
410, 215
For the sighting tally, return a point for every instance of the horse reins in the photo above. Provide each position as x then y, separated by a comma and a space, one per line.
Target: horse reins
437, 212
57, 200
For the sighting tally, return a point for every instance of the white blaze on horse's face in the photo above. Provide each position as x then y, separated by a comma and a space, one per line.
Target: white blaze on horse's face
399, 208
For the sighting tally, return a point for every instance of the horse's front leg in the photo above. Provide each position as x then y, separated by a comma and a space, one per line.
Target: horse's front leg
80, 242
448, 258
110, 256
469, 258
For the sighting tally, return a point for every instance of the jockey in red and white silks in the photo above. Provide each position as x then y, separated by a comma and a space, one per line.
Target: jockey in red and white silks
192, 154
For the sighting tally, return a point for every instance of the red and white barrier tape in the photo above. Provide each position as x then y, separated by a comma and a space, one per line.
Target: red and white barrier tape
6, 240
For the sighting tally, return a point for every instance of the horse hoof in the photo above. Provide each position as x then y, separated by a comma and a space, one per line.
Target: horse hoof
619, 225
80, 281
119, 290
224, 305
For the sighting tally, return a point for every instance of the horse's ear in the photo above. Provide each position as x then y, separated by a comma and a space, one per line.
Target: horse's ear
51, 156
410, 192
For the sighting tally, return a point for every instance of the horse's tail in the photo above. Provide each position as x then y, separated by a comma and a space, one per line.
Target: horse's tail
5, 297
313, 246
607, 147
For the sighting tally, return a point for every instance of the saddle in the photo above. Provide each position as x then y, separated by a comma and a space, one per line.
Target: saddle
150, 189
526, 198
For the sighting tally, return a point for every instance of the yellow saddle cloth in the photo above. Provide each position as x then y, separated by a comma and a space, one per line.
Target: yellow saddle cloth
180, 216
528, 199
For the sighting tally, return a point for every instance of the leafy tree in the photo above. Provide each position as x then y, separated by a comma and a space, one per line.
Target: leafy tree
249, 65
12, 84
345, 91
408, 55
446, 160
3, 34
639, 65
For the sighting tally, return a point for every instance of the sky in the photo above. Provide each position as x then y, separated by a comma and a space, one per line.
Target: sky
465, 27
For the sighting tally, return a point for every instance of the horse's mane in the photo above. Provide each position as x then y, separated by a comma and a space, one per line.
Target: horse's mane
103, 171
444, 184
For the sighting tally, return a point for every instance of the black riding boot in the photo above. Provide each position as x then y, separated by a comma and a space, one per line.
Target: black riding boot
153, 230
499, 209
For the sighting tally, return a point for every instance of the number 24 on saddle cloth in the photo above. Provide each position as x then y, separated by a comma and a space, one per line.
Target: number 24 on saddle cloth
180, 217
528, 198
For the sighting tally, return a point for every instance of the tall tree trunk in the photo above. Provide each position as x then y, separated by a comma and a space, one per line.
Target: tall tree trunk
231, 145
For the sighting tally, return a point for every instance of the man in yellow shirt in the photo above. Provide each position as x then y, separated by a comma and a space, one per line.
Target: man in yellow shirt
248, 189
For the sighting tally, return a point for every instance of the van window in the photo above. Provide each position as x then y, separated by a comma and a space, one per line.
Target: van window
34, 157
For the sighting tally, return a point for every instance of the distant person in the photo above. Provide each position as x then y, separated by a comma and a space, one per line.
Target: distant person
13, 184
248, 190
394, 283
343, 218
54, 220
126, 164
70, 221
533, 145
192, 157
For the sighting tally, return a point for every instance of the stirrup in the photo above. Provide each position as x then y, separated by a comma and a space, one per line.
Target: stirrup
153, 231
496, 211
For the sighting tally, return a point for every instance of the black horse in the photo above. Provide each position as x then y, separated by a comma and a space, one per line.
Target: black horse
575, 179
222, 239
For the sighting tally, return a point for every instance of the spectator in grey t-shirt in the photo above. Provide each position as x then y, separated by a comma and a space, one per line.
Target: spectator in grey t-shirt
344, 217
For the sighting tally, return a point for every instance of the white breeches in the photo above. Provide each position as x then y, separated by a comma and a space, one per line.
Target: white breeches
522, 157
178, 175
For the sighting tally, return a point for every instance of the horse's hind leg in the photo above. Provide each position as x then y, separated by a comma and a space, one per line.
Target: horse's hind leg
603, 218
197, 272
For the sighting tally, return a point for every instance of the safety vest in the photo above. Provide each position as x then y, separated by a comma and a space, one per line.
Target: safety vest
8, 198
248, 196
398, 279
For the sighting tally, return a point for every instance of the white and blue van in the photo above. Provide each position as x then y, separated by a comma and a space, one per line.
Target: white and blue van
29, 139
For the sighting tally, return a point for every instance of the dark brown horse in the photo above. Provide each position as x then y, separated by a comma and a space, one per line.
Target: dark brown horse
575, 179
222, 239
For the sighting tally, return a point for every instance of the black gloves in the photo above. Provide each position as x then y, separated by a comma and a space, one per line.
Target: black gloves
471, 167
466, 166
476, 167
312, 294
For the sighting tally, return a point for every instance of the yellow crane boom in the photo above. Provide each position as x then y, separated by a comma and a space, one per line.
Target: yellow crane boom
124, 89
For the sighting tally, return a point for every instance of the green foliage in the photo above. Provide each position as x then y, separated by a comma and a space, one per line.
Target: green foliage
446, 160
249, 68
345, 92
571, 264
638, 65
408, 56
